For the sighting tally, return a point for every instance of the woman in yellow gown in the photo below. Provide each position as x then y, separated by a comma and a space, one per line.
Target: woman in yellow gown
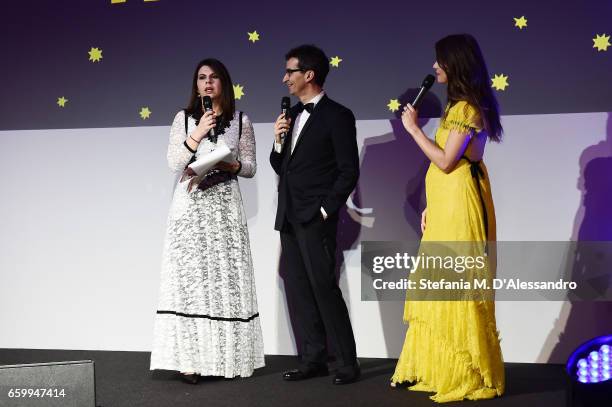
452, 347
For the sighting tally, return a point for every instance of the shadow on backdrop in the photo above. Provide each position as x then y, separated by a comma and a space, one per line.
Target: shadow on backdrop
581, 320
392, 184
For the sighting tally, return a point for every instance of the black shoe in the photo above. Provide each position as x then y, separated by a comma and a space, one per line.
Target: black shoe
401, 385
305, 373
190, 378
346, 376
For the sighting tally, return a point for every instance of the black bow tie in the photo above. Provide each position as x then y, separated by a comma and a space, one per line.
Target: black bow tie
309, 107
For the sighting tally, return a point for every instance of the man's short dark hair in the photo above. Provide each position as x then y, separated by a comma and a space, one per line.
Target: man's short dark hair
311, 58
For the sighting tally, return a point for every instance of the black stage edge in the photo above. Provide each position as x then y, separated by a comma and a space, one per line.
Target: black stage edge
123, 379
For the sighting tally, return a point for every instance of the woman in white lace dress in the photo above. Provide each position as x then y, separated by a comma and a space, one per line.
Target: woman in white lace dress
207, 322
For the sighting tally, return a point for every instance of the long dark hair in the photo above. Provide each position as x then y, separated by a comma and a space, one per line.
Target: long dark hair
468, 79
228, 103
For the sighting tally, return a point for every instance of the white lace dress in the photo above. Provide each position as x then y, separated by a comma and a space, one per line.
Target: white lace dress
207, 320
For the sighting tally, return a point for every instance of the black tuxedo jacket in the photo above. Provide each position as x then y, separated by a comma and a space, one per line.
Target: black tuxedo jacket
324, 167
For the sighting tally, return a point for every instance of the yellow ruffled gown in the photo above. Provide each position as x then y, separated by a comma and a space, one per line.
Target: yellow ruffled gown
452, 347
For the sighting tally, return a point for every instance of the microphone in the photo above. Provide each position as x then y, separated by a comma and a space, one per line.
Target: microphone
207, 105
285, 105
427, 83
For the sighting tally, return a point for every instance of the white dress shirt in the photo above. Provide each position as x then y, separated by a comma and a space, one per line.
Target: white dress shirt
300, 121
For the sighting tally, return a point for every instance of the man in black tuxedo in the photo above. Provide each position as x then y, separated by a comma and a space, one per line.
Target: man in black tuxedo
315, 155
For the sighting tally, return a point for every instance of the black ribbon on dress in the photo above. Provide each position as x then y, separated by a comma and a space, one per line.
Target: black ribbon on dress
478, 174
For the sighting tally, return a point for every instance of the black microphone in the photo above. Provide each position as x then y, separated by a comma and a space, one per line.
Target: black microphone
285, 105
427, 83
207, 102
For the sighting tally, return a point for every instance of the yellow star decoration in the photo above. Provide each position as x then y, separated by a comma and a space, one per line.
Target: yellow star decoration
520, 22
61, 101
95, 54
500, 82
601, 42
145, 113
335, 61
238, 91
254, 36
393, 105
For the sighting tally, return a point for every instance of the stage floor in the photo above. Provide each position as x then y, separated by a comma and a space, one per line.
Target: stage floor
123, 379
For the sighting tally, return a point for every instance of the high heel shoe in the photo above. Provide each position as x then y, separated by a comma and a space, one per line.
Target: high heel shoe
191, 378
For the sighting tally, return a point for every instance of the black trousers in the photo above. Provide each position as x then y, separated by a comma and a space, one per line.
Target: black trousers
319, 312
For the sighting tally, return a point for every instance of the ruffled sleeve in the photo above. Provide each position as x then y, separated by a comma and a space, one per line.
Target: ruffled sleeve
464, 118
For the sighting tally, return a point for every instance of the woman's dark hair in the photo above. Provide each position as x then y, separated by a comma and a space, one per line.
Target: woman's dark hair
468, 79
227, 102
311, 58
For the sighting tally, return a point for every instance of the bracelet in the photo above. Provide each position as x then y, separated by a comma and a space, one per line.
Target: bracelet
194, 139
189, 148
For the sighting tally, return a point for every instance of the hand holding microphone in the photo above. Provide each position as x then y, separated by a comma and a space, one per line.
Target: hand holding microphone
410, 114
283, 123
207, 123
410, 118
208, 108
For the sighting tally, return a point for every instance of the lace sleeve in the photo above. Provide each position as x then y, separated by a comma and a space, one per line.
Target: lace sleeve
178, 155
247, 149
